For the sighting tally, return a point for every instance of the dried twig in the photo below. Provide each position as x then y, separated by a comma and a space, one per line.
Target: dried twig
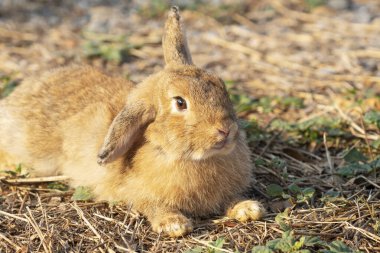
81, 215
41, 235
15, 246
35, 180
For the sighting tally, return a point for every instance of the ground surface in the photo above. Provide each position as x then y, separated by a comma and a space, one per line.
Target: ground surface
305, 78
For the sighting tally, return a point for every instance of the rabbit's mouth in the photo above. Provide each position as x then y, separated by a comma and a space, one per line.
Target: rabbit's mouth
222, 147
220, 144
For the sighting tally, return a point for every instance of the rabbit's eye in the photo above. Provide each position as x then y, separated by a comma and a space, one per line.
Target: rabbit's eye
180, 103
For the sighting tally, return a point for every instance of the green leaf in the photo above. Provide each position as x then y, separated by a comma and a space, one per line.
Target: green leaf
274, 190
279, 124
281, 216
354, 169
312, 241
82, 193
330, 196
18, 169
294, 188
284, 245
219, 243
281, 220
287, 235
294, 102
305, 195
285, 196
58, 186
9, 172
354, 155
9, 86
278, 163
372, 117
315, 3
262, 249
339, 247
298, 244
308, 192
259, 161
376, 144
272, 244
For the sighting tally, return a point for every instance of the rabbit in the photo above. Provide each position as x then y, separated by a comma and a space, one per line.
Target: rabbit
170, 146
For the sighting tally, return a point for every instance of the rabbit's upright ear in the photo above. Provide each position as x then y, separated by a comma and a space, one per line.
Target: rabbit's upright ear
174, 43
124, 130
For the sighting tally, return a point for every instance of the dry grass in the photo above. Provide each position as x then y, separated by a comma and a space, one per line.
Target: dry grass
270, 52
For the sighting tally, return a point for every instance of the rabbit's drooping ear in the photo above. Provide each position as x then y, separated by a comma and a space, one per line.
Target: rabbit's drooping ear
174, 43
124, 130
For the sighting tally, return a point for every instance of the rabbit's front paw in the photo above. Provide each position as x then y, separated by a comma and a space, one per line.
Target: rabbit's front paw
173, 224
246, 210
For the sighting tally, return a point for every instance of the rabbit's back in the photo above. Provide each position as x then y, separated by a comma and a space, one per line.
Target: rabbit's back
64, 92
60, 117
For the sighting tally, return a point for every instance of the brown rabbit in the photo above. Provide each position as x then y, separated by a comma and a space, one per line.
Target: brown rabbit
170, 145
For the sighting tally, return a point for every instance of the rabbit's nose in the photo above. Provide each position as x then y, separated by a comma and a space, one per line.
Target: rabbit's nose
225, 132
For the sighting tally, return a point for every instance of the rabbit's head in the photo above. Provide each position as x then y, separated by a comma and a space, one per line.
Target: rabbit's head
184, 111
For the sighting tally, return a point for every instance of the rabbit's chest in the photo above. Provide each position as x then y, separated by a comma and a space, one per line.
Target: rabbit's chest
197, 191
194, 187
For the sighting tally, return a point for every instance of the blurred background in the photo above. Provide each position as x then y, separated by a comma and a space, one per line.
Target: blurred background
283, 61
237, 39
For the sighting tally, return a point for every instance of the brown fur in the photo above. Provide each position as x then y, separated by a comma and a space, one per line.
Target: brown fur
163, 161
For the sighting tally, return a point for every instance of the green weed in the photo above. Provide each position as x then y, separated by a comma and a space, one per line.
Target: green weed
292, 192
82, 194
372, 117
311, 130
288, 243
7, 85
58, 186
244, 103
311, 4
108, 47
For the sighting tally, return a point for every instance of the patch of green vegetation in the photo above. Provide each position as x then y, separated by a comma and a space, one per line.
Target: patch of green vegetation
376, 144
158, 8
356, 163
254, 132
108, 47
18, 171
154, 9
243, 103
7, 85
58, 186
288, 243
332, 196
293, 192
82, 194
311, 4
276, 163
291, 244
311, 130
221, 12
372, 117
354, 155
